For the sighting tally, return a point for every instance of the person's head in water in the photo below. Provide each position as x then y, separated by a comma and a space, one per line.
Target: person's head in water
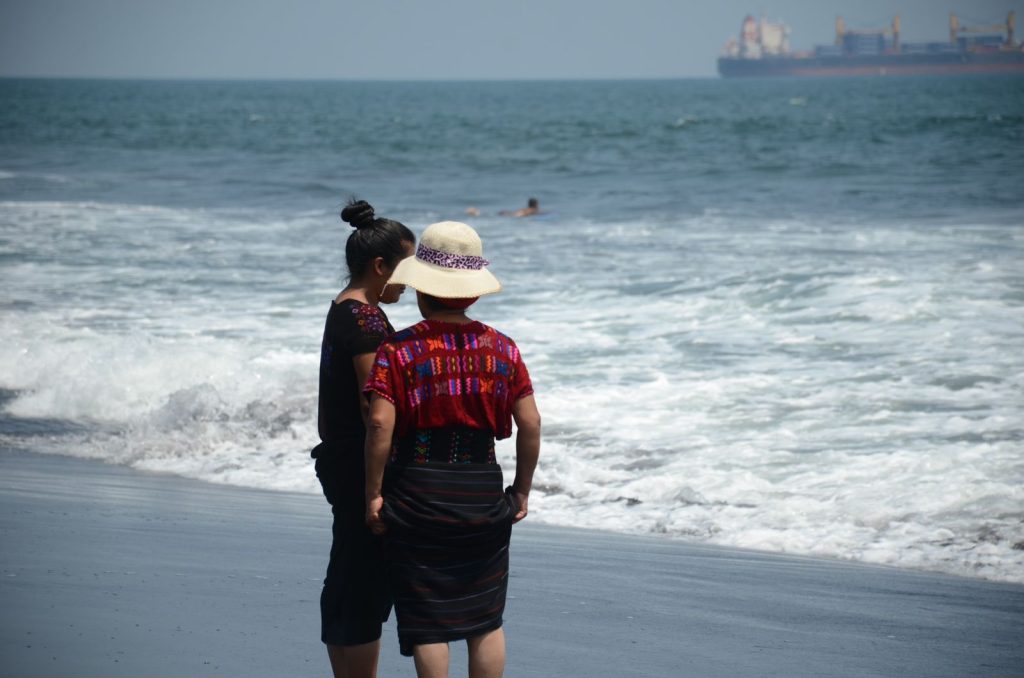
375, 247
532, 207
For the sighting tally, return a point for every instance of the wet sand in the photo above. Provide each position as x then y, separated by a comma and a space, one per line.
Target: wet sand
106, 571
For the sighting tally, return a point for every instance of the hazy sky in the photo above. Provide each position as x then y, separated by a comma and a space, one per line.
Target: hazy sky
425, 39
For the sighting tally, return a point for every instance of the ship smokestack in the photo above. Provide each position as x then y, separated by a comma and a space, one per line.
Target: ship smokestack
840, 30
896, 33
1011, 24
954, 27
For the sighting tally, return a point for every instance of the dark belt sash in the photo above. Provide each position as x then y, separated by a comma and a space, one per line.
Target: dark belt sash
454, 445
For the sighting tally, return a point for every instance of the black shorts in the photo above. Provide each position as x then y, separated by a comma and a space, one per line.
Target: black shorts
355, 600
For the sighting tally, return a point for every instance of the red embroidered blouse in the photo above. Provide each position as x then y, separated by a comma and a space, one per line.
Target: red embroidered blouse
440, 375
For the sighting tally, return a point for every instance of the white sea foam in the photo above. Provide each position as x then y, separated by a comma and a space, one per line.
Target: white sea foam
850, 390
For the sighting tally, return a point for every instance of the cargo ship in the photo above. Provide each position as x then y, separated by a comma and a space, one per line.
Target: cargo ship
762, 50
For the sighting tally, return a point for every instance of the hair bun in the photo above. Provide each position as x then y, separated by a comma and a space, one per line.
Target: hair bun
358, 213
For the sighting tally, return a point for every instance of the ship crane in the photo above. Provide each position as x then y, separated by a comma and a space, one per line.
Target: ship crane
1009, 26
842, 30
894, 31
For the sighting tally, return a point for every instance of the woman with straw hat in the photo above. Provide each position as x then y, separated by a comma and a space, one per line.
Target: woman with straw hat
441, 392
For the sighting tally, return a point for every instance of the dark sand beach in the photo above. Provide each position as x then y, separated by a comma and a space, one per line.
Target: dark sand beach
106, 571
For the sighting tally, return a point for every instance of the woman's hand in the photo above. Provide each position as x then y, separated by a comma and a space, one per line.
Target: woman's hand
373, 519
523, 501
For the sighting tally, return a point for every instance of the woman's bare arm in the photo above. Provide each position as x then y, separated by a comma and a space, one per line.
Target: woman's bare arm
380, 429
527, 419
363, 363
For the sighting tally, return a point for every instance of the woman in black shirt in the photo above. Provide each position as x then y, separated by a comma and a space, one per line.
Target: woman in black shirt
355, 600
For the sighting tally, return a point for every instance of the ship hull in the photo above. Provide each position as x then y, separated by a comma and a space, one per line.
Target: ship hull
954, 63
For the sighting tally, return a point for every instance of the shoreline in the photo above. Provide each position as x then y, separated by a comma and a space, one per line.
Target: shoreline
826, 558
108, 571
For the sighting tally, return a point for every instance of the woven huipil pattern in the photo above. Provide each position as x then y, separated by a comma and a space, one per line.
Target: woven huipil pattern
441, 375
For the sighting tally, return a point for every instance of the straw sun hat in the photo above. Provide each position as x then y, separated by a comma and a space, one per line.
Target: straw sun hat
449, 264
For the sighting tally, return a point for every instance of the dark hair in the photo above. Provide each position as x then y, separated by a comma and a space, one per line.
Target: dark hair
372, 238
436, 304
431, 302
532, 202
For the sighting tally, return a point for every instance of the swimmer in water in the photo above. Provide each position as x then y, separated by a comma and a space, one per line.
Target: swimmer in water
532, 208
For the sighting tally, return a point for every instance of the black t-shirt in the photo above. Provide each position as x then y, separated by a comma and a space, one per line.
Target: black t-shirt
352, 328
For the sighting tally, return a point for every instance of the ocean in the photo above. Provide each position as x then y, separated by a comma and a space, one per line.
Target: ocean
780, 315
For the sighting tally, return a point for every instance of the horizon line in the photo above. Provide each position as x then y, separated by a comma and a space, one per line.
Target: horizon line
150, 78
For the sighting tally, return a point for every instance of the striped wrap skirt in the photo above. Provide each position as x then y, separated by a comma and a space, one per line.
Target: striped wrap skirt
448, 529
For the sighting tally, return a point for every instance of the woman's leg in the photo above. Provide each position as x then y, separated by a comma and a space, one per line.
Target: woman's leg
431, 660
487, 655
354, 661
